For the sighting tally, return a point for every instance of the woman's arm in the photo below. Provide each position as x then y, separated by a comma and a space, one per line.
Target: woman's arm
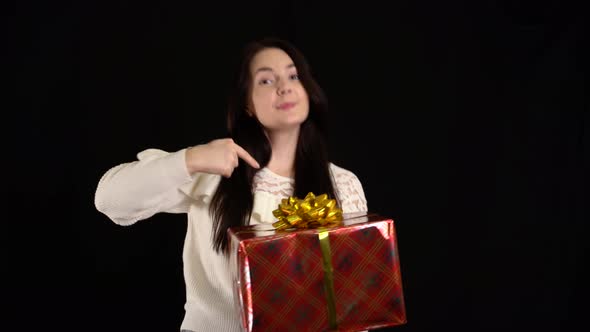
137, 190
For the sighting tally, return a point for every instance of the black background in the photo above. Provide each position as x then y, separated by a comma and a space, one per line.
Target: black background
464, 121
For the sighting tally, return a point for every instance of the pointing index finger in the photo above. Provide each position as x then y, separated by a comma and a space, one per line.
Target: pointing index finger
246, 156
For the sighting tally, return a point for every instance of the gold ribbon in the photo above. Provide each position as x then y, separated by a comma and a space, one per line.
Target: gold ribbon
314, 212
328, 278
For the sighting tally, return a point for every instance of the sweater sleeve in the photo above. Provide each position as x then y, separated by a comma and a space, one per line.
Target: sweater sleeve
137, 190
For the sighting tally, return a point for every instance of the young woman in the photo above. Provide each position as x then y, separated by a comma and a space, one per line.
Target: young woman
275, 148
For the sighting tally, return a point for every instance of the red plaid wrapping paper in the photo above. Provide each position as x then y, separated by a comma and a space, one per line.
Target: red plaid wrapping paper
279, 277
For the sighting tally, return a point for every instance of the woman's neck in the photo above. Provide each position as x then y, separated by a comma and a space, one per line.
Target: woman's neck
284, 147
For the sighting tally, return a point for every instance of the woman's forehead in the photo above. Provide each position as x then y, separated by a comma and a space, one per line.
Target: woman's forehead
271, 59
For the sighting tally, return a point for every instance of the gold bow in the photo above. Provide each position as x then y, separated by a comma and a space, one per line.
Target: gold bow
310, 212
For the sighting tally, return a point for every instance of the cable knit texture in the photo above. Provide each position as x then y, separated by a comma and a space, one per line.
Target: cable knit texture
158, 181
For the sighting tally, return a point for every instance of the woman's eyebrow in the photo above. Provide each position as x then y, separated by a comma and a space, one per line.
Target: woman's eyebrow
263, 69
270, 69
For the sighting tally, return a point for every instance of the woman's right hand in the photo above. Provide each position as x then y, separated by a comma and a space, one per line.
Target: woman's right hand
219, 156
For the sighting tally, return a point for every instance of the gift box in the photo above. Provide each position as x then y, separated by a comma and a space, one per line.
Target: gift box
340, 278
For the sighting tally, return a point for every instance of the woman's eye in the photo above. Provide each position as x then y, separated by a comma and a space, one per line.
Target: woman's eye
265, 81
295, 77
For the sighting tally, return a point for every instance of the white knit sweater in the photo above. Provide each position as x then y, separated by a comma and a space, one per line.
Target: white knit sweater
159, 182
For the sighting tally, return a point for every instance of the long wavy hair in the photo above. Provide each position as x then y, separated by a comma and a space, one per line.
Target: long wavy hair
233, 200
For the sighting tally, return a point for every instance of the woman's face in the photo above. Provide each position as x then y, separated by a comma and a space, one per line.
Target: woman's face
277, 97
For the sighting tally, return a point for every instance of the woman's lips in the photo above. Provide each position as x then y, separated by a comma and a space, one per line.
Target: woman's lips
286, 106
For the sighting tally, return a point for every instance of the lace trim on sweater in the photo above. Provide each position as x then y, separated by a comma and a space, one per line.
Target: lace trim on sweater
348, 187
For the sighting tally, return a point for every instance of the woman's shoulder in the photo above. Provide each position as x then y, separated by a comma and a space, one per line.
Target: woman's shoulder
345, 180
341, 174
349, 189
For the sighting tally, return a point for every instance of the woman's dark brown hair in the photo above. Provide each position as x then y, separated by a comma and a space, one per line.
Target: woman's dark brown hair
232, 202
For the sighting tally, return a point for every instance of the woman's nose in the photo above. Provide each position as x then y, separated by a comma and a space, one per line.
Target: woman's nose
284, 88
